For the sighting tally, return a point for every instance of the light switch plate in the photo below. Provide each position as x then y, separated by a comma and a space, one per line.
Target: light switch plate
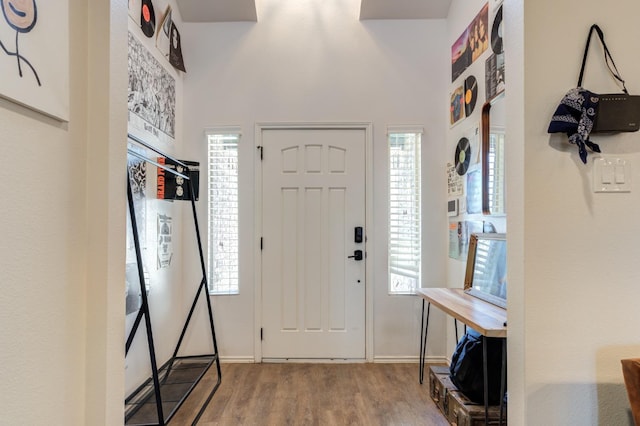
453, 207
611, 174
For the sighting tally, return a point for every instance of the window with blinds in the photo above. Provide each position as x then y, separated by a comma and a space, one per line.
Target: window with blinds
223, 212
404, 212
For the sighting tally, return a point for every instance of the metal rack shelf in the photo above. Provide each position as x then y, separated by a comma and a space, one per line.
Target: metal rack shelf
178, 377
156, 401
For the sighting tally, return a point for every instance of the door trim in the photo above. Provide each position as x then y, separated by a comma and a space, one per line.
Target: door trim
369, 243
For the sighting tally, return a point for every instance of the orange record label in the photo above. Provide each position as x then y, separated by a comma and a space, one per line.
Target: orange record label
145, 13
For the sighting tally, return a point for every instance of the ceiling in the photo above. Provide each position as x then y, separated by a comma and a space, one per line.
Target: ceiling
217, 10
404, 9
245, 10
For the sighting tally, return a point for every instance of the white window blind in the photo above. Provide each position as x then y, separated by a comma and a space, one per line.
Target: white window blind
404, 212
223, 213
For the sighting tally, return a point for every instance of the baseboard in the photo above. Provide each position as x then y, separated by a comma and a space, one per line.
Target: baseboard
314, 360
409, 359
237, 360
381, 359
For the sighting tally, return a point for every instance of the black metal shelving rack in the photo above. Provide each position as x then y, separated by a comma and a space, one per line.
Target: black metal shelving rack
156, 401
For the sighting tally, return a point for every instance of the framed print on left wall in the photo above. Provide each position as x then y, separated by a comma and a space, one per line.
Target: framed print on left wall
34, 55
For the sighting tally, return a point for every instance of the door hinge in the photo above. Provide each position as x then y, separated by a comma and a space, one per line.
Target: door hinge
261, 334
261, 151
261, 239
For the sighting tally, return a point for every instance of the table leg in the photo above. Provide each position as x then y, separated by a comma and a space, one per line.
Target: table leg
455, 325
485, 376
424, 329
503, 379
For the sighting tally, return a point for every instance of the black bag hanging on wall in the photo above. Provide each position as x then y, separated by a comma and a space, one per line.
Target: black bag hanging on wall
466, 367
582, 112
617, 112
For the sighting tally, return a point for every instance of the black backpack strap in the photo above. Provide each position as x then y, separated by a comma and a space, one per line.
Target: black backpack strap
607, 57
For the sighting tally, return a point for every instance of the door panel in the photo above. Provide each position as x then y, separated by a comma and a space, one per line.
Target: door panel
313, 295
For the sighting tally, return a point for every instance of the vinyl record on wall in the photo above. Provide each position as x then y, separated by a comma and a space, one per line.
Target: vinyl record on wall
147, 18
496, 32
470, 94
463, 156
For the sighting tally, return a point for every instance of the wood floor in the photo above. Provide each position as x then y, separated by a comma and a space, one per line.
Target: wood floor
313, 394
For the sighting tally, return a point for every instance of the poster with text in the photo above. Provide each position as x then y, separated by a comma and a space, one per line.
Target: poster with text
151, 95
455, 182
173, 187
165, 244
494, 75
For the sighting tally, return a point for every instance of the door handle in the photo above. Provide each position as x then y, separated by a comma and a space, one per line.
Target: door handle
357, 255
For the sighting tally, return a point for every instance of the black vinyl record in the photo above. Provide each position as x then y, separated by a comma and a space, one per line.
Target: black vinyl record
147, 18
496, 32
463, 156
470, 94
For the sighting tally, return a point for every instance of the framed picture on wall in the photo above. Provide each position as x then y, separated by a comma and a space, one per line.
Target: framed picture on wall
456, 110
471, 44
34, 55
151, 95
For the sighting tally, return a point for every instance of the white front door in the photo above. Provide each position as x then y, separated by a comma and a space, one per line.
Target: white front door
313, 198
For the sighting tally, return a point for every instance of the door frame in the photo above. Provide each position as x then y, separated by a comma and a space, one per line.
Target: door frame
368, 149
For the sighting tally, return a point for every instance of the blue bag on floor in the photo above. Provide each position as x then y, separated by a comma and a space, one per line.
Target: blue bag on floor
466, 367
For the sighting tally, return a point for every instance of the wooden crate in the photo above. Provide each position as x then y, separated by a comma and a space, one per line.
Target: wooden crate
439, 383
455, 406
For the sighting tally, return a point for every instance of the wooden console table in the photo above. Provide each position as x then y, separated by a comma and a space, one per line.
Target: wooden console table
487, 319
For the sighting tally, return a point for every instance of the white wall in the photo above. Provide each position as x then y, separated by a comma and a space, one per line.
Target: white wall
62, 327
41, 304
312, 61
573, 310
105, 203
